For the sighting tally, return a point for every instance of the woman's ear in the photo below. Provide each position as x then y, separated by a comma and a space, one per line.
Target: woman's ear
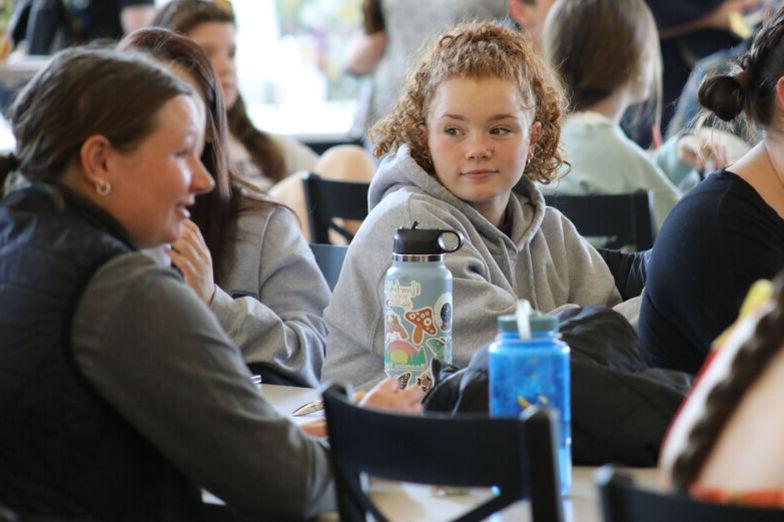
422, 130
94, 159
780, 94
536, 131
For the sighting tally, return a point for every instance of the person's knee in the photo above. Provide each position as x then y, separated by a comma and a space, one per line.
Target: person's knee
346, 163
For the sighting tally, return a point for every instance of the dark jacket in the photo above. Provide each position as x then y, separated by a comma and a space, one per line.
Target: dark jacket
621, 408
64, 451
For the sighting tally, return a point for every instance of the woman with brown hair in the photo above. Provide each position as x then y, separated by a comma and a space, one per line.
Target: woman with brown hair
729, 230
259, 157
120, 394
242, 253
607, 53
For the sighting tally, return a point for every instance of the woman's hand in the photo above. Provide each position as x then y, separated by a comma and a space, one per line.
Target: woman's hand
702, 153
387, 395
191, 255
316, 428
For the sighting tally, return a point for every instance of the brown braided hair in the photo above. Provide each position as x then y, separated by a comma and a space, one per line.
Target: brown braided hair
183, 16
752, 358
477, 50
751, 91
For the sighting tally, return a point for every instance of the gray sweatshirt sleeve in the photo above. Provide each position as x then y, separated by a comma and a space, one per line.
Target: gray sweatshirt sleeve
157, 354
583, 270
284, 325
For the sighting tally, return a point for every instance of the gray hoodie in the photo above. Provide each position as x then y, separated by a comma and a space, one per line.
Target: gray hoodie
543, 260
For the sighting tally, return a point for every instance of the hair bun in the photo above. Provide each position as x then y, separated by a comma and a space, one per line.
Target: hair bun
724, 95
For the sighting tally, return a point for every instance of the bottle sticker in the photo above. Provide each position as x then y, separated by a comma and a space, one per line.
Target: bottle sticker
395, 330
417, 328
422, 320
425, 381
402, 296
437, 346
443, 311
402, 380
403, 354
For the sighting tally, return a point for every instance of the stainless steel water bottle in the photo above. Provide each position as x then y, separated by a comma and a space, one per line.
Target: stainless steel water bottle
418, 304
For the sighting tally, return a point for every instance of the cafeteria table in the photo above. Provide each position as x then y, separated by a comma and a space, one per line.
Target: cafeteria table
415, 502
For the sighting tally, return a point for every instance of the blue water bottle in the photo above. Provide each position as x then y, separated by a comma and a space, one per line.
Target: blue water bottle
535, 371
418, 304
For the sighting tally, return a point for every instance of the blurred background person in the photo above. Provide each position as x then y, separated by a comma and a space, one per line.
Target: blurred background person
393, 31
46, 26
242, 252
264, 159
728, 231
690, 30
530, 15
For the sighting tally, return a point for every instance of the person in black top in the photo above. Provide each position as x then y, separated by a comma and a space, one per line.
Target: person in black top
690, 30
727, 232
49, 26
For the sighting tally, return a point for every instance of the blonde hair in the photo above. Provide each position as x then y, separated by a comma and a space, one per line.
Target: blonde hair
477, 50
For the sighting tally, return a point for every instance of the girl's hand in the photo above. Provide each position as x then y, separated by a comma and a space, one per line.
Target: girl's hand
702, 153
316, 428
721, 17
387, 395
191, 255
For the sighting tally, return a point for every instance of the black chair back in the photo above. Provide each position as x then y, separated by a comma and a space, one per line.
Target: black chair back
516, 456
622, 501
624, 219
328, 199
330, 260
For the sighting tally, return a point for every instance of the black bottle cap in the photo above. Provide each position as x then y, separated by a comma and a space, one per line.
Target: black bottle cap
425, 241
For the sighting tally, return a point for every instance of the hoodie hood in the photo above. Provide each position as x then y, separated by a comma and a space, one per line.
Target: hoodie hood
526, 208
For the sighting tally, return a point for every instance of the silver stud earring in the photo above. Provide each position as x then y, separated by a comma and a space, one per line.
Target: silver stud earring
103, 188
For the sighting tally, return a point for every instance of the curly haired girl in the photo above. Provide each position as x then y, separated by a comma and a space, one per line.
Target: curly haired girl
477, 123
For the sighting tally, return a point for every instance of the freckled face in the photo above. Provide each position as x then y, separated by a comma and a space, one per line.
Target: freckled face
479, 134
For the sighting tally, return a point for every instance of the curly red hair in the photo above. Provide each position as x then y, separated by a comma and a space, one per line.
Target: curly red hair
477, 50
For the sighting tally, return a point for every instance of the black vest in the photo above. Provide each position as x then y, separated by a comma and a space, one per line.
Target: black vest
65, 451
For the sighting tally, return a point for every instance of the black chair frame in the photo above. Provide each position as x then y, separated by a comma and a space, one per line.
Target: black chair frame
625, 219
327, 199
449, 451
623, 501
